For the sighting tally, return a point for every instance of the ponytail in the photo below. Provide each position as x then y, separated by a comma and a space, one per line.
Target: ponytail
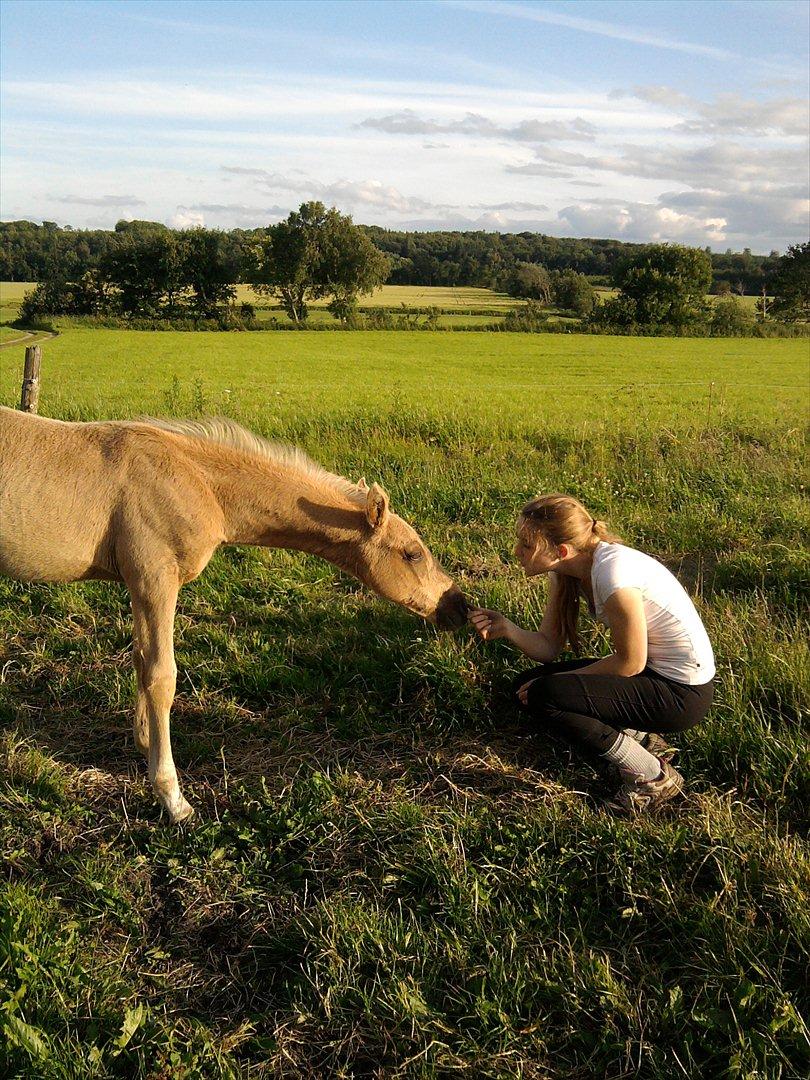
568, 612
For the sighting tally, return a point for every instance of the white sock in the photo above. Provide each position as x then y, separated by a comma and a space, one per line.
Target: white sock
627, 754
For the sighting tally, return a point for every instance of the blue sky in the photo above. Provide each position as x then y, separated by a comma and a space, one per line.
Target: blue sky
683, 121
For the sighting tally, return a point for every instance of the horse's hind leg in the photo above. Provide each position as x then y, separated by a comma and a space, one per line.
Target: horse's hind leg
153, 605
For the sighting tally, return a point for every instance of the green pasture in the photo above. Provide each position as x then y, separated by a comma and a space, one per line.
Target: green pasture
13, 291
570, 382
388, 876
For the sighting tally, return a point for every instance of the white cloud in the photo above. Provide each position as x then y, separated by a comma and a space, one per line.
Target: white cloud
718, 164
730, 166
409, 122
243, 99
517, 206
641, 221
764, 218
657, 95
186, 219
358, 193
729, 113
536, 168
235, 215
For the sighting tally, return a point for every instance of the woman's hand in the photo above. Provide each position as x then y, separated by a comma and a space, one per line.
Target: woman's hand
523, 692
491, 624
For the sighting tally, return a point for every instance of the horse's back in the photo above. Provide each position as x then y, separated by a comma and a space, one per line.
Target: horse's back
109, 499
58, 492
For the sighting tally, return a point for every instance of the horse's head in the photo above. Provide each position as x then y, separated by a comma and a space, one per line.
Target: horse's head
398, 565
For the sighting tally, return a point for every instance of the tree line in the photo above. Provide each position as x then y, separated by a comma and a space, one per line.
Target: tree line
30, 252
663, 289
151, 272
154, 273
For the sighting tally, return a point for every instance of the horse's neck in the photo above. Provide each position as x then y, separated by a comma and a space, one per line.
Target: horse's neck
272, 506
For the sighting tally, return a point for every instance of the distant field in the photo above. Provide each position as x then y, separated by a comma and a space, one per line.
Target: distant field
389, 296
393, 296
11, 293
388, 876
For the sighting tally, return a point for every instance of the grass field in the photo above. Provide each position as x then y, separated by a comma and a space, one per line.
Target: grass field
530, 380
387, 876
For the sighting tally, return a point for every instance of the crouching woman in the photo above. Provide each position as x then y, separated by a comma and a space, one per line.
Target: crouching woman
659, 678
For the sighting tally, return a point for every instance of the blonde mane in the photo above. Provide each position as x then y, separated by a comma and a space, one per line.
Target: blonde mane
228, 433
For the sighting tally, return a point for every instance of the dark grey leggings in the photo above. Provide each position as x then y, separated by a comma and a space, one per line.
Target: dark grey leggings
591, 710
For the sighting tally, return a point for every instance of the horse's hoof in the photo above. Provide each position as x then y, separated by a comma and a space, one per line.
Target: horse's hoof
183, 813
179, 811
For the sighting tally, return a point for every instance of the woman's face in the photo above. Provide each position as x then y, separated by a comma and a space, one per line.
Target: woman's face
533, 557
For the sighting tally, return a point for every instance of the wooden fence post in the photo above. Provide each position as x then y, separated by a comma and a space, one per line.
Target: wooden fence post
29, 399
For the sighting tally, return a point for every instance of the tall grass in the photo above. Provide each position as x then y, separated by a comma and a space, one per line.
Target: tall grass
387, 876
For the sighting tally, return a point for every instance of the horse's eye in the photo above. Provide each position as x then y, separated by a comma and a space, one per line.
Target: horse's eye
412, 556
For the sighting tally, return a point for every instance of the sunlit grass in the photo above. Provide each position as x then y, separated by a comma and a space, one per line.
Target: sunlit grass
512, 381
386, 876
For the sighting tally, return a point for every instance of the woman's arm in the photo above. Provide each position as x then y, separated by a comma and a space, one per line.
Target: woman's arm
624, 610
544, 644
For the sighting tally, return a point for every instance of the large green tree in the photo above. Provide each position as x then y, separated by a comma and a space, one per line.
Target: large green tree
666, 285
145, 266
349, 264
206, 270
315, 253
528, 281
791, 286
573, 292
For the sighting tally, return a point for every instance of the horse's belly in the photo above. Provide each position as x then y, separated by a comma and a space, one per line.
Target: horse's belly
35, 545
37, 561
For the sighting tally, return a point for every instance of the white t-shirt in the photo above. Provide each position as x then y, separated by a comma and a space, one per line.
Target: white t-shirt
677, 644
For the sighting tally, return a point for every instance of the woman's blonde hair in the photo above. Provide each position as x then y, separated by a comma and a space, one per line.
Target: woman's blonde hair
550, 521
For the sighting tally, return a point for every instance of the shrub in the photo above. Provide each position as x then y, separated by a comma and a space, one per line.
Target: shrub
731, 319
528, 318
573, 292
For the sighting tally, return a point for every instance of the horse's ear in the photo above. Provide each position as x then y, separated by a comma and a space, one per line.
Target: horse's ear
361, 484
376, 506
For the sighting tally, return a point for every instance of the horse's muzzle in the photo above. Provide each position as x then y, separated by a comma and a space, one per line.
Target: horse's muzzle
451, 611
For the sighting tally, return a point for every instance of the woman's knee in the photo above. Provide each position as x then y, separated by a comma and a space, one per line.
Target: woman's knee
550, 693
531, 676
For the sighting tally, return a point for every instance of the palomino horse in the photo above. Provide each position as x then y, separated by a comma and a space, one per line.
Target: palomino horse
148, 503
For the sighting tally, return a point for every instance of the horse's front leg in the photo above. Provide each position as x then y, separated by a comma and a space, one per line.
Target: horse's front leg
140, 727
153, 606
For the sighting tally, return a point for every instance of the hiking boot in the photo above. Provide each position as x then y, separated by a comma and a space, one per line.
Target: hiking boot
655, 744
637, 796
658, 746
